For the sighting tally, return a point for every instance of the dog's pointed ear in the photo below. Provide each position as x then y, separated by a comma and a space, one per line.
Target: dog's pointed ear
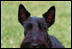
23, 14
50, 16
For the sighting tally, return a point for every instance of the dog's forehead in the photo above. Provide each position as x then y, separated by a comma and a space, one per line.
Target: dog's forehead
36, 19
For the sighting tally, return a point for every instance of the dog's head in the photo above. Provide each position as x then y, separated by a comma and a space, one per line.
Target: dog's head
35, 29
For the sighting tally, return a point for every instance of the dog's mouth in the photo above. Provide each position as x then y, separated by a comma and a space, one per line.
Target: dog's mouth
34, 45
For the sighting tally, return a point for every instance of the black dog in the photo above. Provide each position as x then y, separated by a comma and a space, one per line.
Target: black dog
36, 35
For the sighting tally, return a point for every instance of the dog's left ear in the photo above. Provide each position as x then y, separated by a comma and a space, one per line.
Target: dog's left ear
50, 16
23, 14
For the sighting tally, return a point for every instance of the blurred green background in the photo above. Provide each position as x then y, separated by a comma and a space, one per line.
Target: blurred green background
12, 33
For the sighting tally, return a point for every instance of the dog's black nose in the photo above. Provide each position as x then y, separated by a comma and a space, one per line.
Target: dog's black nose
34, 45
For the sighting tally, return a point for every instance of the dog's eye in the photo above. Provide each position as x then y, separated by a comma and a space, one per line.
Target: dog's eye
44, 28
41, 27
29, 26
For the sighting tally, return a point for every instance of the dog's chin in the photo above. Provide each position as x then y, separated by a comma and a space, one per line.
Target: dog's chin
33, 45
29, 46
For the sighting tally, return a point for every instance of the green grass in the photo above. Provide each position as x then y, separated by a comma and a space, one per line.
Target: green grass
12, 33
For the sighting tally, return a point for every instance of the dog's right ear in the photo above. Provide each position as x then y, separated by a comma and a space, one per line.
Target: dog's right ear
50, 16
23, 14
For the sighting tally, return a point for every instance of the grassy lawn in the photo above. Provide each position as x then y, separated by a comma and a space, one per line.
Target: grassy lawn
12, 33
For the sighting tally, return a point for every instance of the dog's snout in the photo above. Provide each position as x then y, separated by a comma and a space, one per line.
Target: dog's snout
34, 45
